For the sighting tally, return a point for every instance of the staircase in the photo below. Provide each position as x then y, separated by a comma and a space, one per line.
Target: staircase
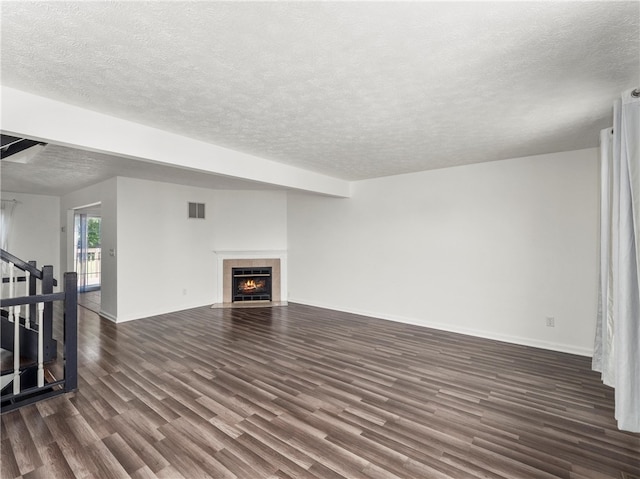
34, 365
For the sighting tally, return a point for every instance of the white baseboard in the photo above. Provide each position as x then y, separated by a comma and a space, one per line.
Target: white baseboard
158, 312
559, 347
108, 316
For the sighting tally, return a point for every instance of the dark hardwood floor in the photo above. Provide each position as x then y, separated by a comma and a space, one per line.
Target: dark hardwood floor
90, 300
302, 392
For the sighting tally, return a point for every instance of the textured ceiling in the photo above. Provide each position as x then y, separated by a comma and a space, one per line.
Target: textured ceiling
351, 89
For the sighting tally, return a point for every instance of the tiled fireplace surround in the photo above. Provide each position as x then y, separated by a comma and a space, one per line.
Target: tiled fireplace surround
274, 259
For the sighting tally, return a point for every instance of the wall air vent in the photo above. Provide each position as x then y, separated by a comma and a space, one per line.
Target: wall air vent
196, 210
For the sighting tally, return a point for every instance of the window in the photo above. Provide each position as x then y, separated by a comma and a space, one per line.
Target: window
196, 210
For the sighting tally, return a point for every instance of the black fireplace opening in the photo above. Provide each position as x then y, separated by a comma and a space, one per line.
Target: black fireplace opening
251, 284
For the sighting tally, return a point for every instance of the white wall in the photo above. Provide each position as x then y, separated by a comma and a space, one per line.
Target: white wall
490, 249
104, 193
252, 225
250, 220
166, 261
35, 230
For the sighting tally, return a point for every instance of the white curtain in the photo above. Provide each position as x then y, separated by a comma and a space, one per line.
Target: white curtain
617, 343
6, 215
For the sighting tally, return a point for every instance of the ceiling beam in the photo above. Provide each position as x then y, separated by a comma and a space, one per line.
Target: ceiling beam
37, 117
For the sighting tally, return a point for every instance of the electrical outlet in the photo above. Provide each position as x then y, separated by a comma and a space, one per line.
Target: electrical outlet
551, 322
184, 292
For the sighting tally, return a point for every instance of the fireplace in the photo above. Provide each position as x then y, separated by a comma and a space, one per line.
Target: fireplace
229, 286
251, 284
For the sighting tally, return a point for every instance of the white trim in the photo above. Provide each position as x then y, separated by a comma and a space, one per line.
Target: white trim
150, 314
108, 316
248, 254
559, 347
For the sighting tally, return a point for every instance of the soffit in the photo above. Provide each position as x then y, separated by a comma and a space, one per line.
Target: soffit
59, 170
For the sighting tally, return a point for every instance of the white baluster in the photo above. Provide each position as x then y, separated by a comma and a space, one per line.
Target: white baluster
11, 272
27, 310
16, 350
11, 266
40, 344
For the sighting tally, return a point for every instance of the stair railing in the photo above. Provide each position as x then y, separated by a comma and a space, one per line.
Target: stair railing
38, 306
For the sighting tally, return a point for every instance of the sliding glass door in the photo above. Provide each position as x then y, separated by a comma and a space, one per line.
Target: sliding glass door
87, 251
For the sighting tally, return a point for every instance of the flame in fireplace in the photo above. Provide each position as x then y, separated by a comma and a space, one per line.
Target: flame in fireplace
251, 286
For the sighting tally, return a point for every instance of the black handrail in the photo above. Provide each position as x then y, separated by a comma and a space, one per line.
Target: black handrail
69, 297
39, 298
23, 265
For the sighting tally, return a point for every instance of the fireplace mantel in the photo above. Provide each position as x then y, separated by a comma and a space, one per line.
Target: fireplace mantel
222, 255
246, 253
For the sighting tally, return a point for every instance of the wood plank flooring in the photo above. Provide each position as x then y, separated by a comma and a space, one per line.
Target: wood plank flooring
90, 300
303, 392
